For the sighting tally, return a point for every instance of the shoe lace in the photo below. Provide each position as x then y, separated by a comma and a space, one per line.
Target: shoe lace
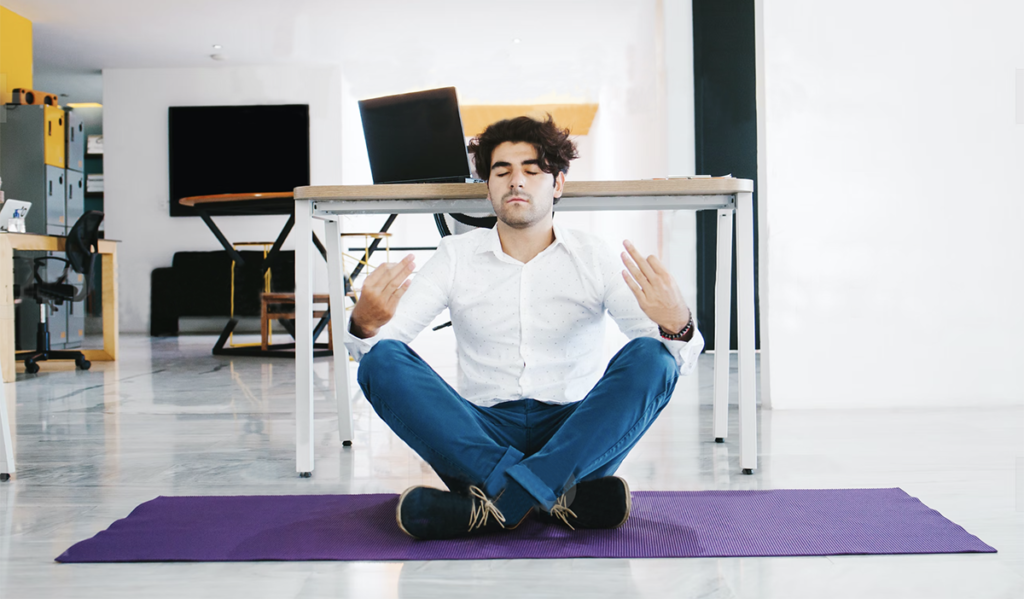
483, 509
561, 511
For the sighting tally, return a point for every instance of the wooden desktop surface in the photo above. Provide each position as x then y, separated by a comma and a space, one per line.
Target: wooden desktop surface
472, 191
241, 204
234, 197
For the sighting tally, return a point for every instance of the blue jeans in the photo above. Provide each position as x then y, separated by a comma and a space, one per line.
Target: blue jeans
524, 452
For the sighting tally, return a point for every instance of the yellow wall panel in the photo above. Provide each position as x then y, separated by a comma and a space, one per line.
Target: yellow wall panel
15, 53
575, 117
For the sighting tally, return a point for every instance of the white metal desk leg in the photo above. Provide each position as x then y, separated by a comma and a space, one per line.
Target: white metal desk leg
723, 325
745, 330
304, 337
336, 281
6, 443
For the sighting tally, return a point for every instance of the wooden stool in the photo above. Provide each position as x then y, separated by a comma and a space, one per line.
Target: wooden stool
266, 316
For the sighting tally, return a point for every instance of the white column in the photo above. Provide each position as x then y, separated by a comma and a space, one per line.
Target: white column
765, 390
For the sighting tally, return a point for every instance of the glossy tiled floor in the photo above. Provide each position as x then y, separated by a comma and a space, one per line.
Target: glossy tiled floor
170, 419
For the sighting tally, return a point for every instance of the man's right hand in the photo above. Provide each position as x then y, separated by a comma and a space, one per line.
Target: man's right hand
382, 290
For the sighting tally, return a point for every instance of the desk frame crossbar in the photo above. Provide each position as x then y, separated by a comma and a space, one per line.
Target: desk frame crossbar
326, 209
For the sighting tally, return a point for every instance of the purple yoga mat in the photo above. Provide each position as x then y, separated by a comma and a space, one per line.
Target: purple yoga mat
662, 524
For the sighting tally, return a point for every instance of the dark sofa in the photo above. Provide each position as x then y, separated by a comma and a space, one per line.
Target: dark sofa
199, 284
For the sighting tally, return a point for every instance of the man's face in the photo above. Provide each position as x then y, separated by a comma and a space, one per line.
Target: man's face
521, 193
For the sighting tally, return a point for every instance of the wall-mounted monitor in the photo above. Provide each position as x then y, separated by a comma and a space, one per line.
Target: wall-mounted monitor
236, 149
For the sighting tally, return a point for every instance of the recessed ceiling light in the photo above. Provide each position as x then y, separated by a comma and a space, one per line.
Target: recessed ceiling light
217, 46
516, 41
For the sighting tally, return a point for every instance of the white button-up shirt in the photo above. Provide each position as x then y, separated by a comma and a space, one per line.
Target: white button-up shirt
533, 330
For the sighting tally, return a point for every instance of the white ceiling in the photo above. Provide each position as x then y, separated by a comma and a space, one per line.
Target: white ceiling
566, 50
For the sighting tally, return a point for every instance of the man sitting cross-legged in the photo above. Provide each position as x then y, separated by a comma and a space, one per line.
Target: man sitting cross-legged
539, 421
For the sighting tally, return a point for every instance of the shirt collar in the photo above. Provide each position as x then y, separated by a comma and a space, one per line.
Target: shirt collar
566, 239
490, 242
563, 237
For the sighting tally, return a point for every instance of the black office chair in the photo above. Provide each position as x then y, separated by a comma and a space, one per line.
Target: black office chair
81, 249
480, 222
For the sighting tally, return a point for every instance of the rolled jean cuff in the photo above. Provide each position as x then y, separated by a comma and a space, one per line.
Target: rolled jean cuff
533, 485
495, 482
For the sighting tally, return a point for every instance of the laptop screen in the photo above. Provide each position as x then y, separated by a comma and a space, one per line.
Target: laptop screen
415, 138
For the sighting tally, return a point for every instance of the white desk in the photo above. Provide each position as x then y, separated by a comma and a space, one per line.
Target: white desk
329, 203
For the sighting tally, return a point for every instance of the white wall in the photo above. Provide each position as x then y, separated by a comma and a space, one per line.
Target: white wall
895, 207
627, 140
135, 161
680, 227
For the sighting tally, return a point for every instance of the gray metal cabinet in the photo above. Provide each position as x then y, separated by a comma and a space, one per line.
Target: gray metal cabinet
76, 314
59, 328
42, 159
55, 201
59, 314
26, 311
27, 173
75, 152
76, 326
74, 197
74, 208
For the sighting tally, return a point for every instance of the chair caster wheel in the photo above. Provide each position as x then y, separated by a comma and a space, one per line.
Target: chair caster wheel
347, 443
31, 367
719, 440
4, 477
748, 471
83, 364
305, 474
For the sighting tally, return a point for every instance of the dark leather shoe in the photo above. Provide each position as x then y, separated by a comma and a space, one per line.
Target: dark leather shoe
428, 513
601, 503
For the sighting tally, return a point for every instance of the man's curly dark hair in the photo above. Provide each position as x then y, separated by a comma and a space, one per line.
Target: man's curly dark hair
554, 148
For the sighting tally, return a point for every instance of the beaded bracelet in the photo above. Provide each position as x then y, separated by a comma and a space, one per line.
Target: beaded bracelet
677, 336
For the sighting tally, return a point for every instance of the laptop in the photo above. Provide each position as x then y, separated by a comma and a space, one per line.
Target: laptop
13, 209
416, 138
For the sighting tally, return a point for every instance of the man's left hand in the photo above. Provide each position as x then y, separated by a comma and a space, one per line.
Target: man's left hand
655, 290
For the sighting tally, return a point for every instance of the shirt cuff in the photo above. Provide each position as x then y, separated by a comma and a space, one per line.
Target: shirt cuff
686, 353
357, 347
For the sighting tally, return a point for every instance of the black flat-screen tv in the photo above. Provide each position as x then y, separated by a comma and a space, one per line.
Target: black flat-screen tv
236, 149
